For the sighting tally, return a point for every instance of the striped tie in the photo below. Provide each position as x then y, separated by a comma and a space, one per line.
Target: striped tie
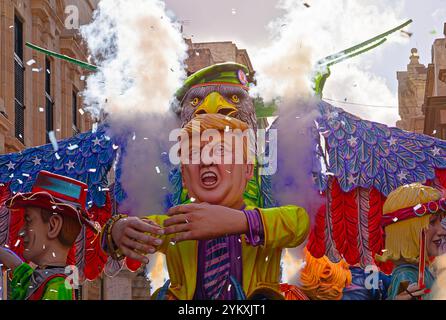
217, 267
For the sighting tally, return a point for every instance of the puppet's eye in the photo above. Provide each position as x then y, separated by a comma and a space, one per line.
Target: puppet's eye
195, 101
235, 98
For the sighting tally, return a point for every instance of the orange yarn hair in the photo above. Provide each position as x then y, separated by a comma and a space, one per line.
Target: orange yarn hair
322, 279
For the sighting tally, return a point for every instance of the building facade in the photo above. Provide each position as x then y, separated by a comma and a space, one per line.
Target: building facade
422, 93
39, 94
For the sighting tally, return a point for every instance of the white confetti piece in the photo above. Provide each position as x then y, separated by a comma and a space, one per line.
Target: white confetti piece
193, 199
94, 128
36, 70
53, 140
418, 206
82, 112
41, 109
92, 170
395, 219
54, 207
172, 243
82, 78
57, 156
157, 170
266, 259
72, 147
19, 181
115, 147
229, 287
54, 255
31, 62
227, 129
17, 243
105, 189
48, 71
25, 175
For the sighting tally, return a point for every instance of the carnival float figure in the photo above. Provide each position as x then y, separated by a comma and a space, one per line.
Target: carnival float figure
54, 212
238, 246
363, 162
414, 234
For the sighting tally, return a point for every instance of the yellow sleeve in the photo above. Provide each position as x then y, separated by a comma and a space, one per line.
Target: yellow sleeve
159, 220
285, 227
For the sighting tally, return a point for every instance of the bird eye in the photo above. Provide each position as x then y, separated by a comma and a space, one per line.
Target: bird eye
195, 101
235, 98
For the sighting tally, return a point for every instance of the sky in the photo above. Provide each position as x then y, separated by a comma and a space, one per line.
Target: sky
326, 26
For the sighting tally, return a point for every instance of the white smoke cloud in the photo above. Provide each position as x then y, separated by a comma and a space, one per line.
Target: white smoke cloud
304, 35
140, 52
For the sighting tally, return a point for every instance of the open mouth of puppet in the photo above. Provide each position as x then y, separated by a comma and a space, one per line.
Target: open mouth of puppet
209, 179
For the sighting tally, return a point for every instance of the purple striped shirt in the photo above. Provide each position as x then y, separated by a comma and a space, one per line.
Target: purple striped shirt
255, 237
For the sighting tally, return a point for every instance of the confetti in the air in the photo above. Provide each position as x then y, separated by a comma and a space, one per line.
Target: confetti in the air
306, 5
418, 206
41, 109
72, 147
82, 112
193, 199
31, 62
406, 33
94, 128
57, 156
53, 140
17, 243
36, 70
92, 170
157, 170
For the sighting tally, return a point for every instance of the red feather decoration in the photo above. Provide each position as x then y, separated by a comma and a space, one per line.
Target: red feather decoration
316, 241
441, 176
16, 221
376, 233
95, 258
344, 209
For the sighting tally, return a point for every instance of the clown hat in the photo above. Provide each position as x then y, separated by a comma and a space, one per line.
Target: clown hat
57, 194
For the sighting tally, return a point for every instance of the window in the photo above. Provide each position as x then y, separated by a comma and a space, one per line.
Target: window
49, 112
19, 81
74, 112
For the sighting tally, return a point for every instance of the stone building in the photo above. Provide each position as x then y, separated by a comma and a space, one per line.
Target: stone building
435, 97
39, 94
411, 90
422, 93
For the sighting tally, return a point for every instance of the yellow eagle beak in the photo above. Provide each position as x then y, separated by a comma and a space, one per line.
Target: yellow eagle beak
215, 103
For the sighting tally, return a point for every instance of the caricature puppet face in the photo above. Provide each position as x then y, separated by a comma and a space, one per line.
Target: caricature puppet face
43, 230
222, 170
435, 234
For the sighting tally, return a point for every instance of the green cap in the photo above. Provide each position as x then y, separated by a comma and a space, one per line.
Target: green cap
228, 72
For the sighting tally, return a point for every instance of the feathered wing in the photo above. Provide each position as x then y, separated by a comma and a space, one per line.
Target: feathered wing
361, 163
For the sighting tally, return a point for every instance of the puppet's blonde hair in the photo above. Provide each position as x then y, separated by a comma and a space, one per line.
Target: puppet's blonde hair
403, 237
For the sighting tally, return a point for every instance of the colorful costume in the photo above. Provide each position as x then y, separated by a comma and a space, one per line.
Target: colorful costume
284, 227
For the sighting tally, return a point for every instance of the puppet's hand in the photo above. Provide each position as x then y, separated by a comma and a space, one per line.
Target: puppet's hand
204, 221
130, 235
412, 292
